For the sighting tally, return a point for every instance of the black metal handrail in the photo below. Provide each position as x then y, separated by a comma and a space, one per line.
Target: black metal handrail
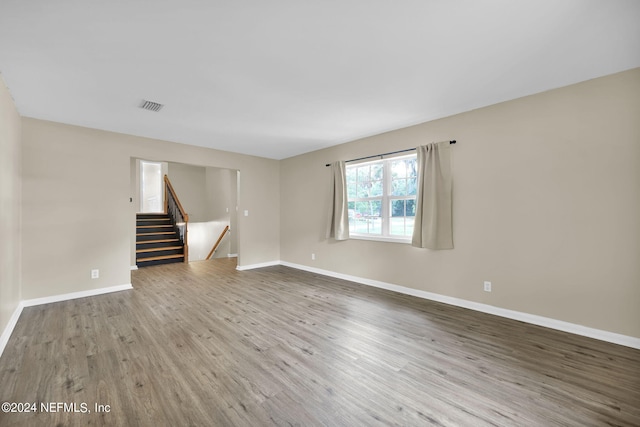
178, 216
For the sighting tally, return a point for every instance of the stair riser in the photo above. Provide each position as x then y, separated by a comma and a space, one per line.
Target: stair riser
158, 262
151, 215
155, 236
142, 245
149, 222
154, 229
141, 255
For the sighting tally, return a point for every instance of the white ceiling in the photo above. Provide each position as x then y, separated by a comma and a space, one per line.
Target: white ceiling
284, 77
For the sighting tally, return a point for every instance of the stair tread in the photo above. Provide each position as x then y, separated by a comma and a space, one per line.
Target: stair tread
163, 248
155, 226
156, 258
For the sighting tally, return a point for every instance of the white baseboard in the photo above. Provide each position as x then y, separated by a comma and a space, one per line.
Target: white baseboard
8, 330
261, 265
232, 255
134, 267
75, 295
547, 322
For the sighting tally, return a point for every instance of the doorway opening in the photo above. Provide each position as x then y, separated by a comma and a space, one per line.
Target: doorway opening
151, 188
209, 195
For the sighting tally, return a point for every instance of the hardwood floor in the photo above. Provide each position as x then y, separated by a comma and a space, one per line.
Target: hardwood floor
203, 344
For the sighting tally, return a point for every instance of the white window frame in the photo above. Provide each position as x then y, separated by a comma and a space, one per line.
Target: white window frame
385, 199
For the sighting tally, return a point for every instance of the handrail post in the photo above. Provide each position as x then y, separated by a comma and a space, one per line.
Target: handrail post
166, 196
186, 246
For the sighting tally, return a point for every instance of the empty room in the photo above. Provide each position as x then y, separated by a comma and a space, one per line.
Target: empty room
356, 213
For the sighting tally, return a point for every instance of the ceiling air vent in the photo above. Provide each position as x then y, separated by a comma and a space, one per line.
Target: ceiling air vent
151, 106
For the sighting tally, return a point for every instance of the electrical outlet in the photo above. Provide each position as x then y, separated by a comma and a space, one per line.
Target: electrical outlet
313, 257
95, 273
487, 286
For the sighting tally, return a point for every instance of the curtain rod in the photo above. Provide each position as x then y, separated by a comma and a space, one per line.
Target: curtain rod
385, 154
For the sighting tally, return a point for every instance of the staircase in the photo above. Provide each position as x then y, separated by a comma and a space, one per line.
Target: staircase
157, 240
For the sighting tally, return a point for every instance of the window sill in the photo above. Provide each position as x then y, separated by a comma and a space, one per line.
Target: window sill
405, 240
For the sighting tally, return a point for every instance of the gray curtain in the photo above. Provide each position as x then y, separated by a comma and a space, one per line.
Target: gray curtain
432, 228
338, 224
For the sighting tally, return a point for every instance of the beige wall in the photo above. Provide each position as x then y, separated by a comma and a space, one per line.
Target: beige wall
76, 210
221, 204
10, 129
189, 181
546, 206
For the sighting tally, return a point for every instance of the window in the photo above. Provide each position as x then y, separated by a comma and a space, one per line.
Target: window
382, 198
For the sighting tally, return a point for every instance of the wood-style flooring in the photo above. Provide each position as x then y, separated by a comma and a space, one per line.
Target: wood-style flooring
205, 345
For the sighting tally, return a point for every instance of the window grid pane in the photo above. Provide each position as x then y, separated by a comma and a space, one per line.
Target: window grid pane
381, 197
403, 212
